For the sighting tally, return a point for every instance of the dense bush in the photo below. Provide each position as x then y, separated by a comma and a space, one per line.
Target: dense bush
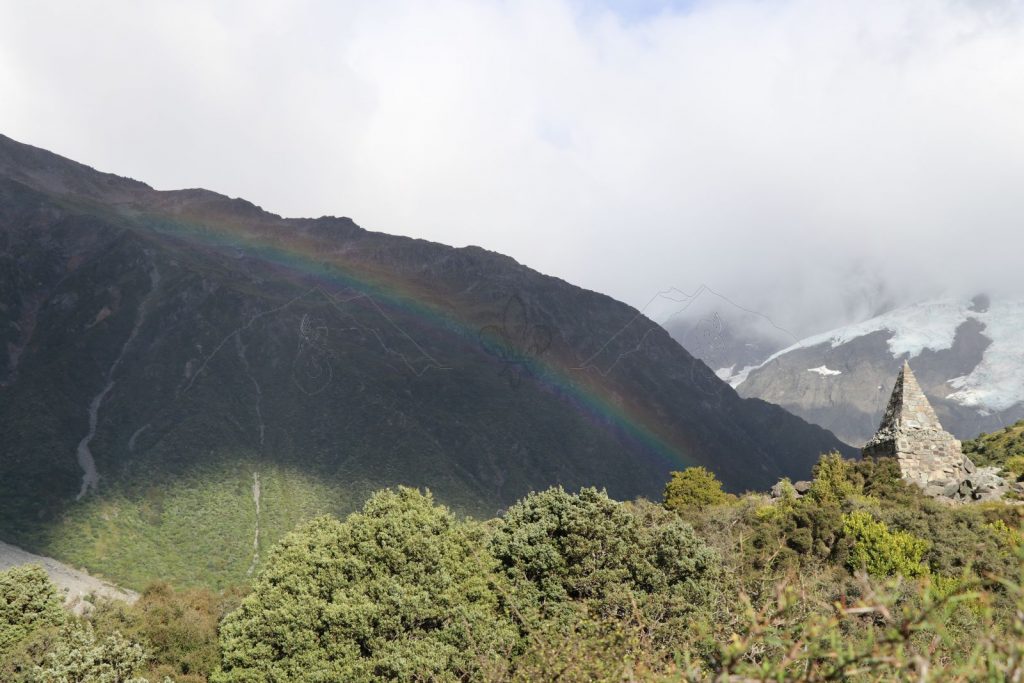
179, 628
79, 654
832, 480
45, 645
399, 591
596, 577
693, 488
998, 447
882, 552
1015, 465
569, 546
28, 602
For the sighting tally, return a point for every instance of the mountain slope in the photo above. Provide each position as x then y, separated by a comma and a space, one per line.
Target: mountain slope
968, 356
998, 447
188, 375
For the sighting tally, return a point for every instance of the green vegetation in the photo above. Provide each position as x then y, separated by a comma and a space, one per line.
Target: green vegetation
997, 448
882, 552
399, 591
166, 634
28, 603
863, 578
179, 629
78, 654
133, 537
1015, 465
693, 488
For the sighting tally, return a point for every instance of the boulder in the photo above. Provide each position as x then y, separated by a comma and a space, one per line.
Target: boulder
950, 490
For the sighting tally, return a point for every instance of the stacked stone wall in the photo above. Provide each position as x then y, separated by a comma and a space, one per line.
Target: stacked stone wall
910, 431
929, 456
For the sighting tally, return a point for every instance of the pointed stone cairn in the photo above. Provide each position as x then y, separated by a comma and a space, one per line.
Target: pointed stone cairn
928, 455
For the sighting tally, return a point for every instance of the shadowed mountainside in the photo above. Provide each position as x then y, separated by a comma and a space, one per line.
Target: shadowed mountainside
162, 348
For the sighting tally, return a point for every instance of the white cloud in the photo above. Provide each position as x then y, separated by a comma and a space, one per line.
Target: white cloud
770, 150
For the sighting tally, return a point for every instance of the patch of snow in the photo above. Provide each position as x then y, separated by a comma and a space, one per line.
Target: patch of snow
824, 371
930, 325
737, 378
741, 376
724, 373
997, 382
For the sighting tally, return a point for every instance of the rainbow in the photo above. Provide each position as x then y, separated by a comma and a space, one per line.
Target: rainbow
303, 255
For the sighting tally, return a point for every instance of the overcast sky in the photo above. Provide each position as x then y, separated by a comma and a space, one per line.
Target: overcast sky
803, 158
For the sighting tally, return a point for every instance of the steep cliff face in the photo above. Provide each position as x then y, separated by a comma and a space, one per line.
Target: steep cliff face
968, 357
153, 338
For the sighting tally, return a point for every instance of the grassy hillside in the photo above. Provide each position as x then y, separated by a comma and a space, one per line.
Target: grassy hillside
996, 448
195, 530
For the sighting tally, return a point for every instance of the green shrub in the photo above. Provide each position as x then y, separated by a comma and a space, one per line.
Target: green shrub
80, 655
582, 565
881, 479
401, 590
832, 480
1007, 536
587, 546
693, 488
882, 552
178, 627
1015, 466
28, 602
998, 447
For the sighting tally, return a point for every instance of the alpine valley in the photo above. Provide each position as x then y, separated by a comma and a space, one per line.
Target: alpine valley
187, 376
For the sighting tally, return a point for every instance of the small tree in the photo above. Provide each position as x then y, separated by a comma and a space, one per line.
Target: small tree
28, 601
832, 485
695, 488
882, 552
586, 571
400, 591
79, 655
